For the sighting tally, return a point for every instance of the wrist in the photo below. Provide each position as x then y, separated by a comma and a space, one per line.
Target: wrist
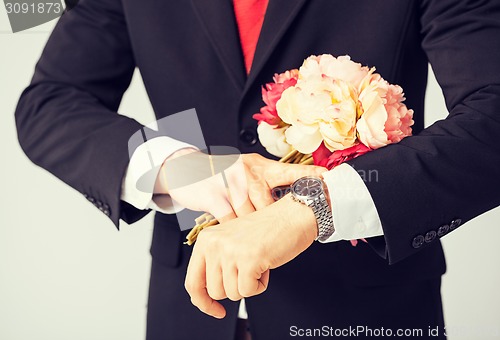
161, 185
300, 217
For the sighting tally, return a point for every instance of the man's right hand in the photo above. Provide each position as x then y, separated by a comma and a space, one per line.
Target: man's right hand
195, 181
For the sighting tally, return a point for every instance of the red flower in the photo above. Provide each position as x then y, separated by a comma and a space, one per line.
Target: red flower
324, 157
271, 93
320, 156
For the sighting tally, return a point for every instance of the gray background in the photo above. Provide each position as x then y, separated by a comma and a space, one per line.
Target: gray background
66, 273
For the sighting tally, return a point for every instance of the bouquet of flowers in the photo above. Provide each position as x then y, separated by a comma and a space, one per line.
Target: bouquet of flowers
327, 112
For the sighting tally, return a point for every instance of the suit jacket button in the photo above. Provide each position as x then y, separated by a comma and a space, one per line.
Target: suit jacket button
107, 212
443, 230
91, 199
455, 224
418, 241
248, 137
98, 204
430, 236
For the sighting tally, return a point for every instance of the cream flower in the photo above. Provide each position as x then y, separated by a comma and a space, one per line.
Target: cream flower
320, 109
341, 68
273, 139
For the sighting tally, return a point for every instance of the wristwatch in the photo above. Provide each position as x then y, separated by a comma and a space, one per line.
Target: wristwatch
312, 192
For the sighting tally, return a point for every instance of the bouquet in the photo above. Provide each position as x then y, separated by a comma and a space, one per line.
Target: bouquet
329, 111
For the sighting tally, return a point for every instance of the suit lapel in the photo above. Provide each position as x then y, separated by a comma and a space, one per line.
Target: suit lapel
217, 18
219, 23
279, 16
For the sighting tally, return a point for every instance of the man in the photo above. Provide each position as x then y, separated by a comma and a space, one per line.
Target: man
190, 55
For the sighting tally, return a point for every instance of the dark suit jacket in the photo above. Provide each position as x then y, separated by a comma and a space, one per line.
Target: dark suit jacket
189, 55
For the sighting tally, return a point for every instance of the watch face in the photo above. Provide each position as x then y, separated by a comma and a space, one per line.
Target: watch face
309, 187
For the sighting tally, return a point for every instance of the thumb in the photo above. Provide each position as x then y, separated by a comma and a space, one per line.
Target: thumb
288, 173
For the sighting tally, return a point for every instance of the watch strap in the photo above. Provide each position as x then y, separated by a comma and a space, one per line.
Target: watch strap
324, 218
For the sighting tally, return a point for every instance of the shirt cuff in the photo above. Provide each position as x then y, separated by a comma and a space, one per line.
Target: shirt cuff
148, 158
354, 213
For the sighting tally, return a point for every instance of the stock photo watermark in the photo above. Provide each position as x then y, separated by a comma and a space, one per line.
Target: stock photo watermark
463, 332
26, 14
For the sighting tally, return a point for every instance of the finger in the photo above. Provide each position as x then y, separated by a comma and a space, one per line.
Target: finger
251, 283
265, 278
236, 184
260, 195
220, 201
230, 279
210, 307
285, 174
227, 217
258, 190
215, 286
195, 285
244, 209
223, 211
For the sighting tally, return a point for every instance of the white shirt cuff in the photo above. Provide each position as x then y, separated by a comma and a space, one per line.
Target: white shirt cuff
242, 310
149, 155
354, 213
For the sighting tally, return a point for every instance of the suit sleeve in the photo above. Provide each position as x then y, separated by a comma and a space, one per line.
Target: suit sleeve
66, 119
432, 183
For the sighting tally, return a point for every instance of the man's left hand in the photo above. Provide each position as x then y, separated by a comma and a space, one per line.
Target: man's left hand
232, 260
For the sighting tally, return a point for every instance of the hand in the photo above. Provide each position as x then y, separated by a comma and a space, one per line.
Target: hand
233, 259
226, 186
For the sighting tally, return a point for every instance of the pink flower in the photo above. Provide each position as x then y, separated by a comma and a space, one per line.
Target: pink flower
384, 118
271, 93
399, 118
324, 157
288, 78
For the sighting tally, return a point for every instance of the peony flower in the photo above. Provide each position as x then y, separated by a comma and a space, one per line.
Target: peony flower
320, 156
273, 139
341, 68
334, 108
384, 118
287, 78
318, 110
324, 157
400, 118
271, 93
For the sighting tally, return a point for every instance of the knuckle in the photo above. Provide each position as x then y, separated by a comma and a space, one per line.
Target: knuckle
216, 294
251, 156
246, 292
196, 302
257, 252
203, 236
189, 287
199, 241
234, 296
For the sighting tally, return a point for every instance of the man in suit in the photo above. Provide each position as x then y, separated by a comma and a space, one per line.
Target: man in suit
190, 55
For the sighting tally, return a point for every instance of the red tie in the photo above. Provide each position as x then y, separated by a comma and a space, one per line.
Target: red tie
249, 17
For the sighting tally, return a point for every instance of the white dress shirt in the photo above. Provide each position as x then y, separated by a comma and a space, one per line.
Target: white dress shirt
354, 213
